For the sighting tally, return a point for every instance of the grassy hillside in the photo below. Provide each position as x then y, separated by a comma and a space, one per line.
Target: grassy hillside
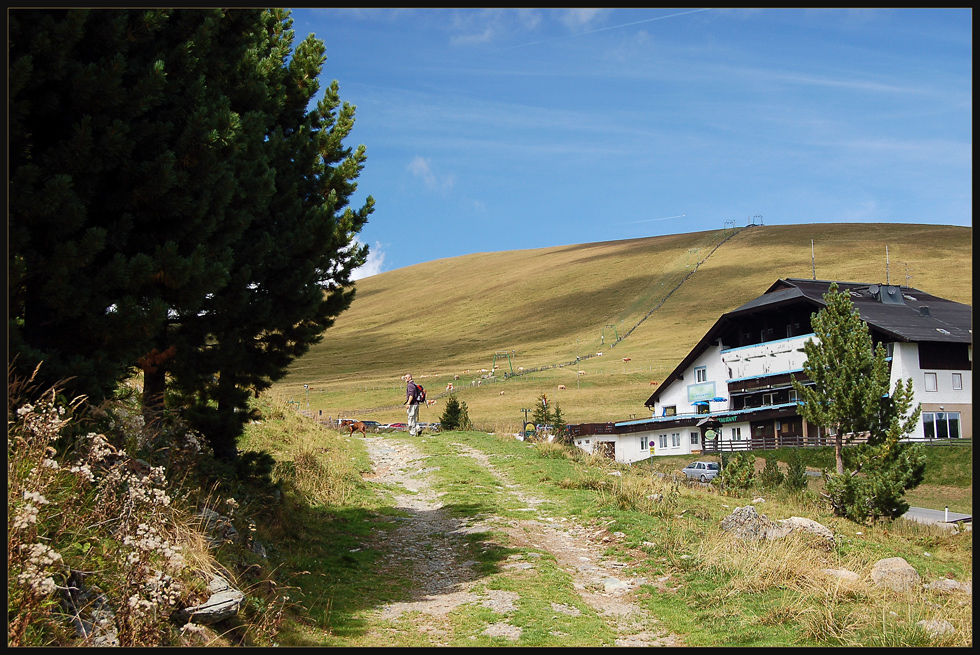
548, 306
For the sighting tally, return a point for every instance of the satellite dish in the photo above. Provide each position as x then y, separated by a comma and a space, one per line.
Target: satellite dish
873, 289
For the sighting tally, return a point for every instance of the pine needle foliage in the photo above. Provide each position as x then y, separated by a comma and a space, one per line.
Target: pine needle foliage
849, 395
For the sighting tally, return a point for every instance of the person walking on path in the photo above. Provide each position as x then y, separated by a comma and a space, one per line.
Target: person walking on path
412, 402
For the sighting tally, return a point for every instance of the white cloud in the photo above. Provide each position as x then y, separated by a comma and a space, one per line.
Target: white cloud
420, 168
373, 265
582, 17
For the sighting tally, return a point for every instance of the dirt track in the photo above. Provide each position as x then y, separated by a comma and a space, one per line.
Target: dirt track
430, 545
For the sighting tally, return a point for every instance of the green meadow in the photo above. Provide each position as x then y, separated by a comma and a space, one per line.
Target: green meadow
449, 321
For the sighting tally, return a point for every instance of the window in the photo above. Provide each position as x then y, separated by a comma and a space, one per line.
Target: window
701, 374
670, 410
958, 381
643, 443
736, 434
702, 408
792, 395
663, 440
931, 382
695, 438
675, 439
768, 399
941, 425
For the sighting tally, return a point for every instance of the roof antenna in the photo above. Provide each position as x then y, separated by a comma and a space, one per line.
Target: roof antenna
813, 263
886, 264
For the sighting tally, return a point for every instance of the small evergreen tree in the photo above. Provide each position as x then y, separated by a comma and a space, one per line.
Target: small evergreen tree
542, 412
738, 473
771, 477
455, 416
796, 478
850, 395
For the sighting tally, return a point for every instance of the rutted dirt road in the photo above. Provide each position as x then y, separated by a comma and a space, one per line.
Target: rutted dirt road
430, 544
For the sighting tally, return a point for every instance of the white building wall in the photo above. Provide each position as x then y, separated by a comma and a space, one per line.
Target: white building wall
905, 364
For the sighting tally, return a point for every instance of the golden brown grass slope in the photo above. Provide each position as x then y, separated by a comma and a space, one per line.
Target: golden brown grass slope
547, 306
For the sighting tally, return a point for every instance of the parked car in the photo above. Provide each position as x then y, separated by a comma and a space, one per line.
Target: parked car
701, 471
373, 426
397, 426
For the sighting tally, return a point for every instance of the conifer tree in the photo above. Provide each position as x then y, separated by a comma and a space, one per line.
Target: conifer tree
174, 204
850, 395
542, 414
127, 187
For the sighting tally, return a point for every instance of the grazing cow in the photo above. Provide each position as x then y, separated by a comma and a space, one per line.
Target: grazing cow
359, 425
561, 386
501, 393
653, 383
449, 387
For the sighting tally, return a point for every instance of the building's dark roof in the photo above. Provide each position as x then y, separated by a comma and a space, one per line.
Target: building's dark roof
897, 313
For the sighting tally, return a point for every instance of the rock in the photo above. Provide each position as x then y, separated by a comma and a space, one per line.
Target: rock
746, 523
614, 586
90, 613
808, 525
936, 628
756, 501
946, 585
220, 528
843, 574
224, 603
894, 573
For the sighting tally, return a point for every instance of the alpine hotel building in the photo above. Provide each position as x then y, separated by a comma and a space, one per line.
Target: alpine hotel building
733, 389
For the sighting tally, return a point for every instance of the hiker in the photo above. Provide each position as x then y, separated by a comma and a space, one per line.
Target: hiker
412, 402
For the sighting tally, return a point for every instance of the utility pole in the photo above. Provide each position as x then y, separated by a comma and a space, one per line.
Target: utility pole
307, 387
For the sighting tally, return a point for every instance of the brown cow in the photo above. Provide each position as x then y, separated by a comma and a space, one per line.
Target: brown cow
354, 427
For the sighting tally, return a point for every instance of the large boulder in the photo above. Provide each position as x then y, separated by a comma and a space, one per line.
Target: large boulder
801, 524
746, 523
894, 573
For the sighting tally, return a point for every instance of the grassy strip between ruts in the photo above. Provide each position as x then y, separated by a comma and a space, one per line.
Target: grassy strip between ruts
712, 591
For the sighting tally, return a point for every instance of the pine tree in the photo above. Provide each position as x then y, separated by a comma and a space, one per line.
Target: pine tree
293, 265
174, 204
542, 414
796, 478
850, 395
124, 177
455, 415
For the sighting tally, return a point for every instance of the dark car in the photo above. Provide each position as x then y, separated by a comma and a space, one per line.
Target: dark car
701, 471
373, 426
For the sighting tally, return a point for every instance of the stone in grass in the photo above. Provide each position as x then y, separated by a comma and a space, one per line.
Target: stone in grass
224, 603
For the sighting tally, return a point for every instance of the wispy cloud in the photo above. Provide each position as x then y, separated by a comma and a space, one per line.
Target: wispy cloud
582, 15
422, 169
373, 265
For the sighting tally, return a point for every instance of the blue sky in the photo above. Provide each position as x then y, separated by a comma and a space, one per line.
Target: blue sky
508, 129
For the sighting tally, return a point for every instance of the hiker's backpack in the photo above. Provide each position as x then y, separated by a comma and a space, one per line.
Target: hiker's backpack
419, 394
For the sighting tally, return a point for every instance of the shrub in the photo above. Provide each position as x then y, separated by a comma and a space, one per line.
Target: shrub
738, 473
771, 477
796, 478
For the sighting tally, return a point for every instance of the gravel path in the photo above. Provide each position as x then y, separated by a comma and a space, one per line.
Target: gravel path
430, 545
